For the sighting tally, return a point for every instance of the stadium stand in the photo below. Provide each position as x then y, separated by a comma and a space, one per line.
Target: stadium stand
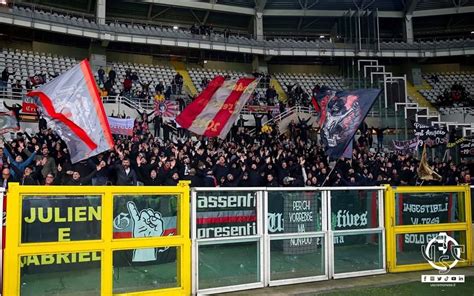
428, 44
309, 81
259, 168
137, 28
451, 89
149, 76
314, 174
34, 68
202, 76
30, 68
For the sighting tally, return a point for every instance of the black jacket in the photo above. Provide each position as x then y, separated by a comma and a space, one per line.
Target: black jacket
124, 179
68, 180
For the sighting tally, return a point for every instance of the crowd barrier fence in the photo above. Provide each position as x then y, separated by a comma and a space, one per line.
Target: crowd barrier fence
98, 240
472, 221
417, 215
2, 232
158, 241
246, 238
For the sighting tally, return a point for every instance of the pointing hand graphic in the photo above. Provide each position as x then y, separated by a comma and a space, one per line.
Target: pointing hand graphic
146, 223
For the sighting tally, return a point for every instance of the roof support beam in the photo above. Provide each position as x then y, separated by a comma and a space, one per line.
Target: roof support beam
150, 8
443, 11
206, 16
310, 24
382, 14
408, 21
260, 4
100, 12
258, 26
89, 5
411, 6
324, 13
299, 12
160, 13
193, 4
300, 22
196, 17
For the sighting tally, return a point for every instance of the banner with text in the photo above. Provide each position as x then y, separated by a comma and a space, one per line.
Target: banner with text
121, 126
430, 135
77, 218
295, 212
406, 147
416, 209
59, 219
226, 214
466, 148
28, 105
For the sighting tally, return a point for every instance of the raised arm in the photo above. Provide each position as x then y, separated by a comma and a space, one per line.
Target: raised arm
6, 106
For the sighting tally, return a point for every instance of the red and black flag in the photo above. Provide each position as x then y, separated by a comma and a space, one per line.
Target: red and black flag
341, 114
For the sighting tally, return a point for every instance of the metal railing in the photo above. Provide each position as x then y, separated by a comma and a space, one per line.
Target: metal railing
149, 105
113, 27
291, 111
8, 94
104, 241
134, 103
448, 211
277, 119
279, 236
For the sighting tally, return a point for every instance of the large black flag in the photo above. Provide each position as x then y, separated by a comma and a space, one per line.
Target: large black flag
341, 114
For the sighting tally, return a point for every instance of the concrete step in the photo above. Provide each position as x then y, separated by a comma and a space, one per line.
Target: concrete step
349, 284
419, 98
279, 89
188, 84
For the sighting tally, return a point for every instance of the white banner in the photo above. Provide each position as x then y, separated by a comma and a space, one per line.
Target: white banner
120, 126
73, 108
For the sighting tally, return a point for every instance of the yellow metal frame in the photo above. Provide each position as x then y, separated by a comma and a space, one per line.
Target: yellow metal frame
392, 230
14, 249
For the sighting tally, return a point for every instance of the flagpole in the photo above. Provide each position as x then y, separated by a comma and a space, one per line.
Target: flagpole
330, 173
445, 154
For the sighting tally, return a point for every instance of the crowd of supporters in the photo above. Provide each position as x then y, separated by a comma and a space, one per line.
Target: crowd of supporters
456, 96
243, 159
207, 30
33, 81
159, 153
134, 86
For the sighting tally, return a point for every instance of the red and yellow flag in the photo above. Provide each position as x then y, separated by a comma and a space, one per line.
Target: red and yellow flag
215, 110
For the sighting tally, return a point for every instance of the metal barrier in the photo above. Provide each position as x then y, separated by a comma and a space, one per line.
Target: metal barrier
2, 211
98, 240
135, 240
472, 205
228, 243
357, 231
415, 216
472, 221
309, 234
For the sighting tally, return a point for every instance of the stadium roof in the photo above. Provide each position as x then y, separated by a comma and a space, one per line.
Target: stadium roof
302, 16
